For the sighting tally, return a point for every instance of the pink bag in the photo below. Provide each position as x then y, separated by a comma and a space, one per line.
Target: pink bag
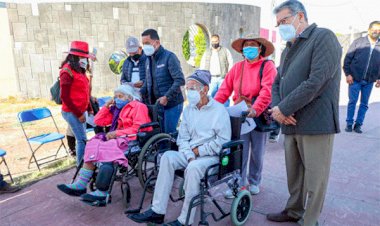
99, 149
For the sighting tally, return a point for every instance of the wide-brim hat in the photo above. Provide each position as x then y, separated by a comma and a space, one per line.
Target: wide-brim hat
237, 45
79, 48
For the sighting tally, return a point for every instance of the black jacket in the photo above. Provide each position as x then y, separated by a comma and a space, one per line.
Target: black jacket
164, 77
128, 65
308, 81
356, 60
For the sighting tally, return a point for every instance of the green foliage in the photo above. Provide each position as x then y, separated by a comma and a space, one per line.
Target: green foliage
200, 45
186, 45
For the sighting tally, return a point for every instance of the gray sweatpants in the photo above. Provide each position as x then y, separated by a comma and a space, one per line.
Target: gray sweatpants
195, 170
253, 151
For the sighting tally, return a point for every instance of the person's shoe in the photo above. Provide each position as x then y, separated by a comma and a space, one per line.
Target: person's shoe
148, 216
358, 128
9, 189
348, 128
254, 189
69, 191
273, 138
92, 198
173, 223
228, 194
281, 217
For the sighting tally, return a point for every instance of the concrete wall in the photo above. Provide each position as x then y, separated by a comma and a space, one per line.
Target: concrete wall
39, 41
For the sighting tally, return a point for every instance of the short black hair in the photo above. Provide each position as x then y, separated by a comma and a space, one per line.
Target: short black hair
152, 34
373, 23
215, 35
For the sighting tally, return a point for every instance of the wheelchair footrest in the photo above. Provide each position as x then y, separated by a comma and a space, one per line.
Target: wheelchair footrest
98, 203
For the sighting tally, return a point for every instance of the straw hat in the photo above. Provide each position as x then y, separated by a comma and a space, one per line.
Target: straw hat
238, 44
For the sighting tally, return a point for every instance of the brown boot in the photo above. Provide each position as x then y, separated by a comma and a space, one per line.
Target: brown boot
281, 217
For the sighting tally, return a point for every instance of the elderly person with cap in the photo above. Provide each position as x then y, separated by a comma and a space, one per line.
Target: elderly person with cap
125, 113
133, 70
204, 128
244, 81
75, 93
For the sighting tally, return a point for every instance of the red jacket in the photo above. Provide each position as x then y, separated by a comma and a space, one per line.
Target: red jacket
131, 117
75, 91
251, 84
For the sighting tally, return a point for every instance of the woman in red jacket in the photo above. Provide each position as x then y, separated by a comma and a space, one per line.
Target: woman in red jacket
125, 114
244, 81
75, 92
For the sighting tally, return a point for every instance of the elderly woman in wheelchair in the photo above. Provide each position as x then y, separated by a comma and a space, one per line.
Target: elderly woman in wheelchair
125, 114
205, 127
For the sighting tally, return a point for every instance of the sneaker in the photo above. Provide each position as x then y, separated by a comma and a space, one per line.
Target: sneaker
9, 189
273, 138
228, 194
254, 189
358, 128
348, 128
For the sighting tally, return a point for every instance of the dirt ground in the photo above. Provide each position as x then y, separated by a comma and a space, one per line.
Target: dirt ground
12, 139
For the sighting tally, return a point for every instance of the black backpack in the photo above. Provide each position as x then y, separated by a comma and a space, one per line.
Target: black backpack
55, 90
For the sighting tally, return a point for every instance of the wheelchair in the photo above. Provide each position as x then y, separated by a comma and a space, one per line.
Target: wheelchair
226, 171
142, 155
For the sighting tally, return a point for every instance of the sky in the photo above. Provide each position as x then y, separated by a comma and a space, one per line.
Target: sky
337, 15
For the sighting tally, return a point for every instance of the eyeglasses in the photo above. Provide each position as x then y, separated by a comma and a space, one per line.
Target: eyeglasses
283, 20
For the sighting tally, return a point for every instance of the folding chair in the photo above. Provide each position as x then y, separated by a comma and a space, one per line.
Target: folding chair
2, 160
40, 140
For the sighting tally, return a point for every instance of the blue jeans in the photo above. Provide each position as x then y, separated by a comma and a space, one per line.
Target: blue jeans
364, 88
170, 118
79, 130
215, 84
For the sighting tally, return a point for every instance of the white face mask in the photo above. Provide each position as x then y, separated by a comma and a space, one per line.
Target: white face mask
148, 50
83, 63
194, 97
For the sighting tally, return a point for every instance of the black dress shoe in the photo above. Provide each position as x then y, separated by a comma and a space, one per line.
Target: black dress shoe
173, 223
72, 192
148, 216
281, 217
358, 128
348, 128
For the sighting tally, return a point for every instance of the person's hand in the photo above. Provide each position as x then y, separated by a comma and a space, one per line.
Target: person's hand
377, 85
277, 114
110, 102
251, 113
349, 79
290, 120
111, 135
163, 100
82, 118
138, 84
196, 151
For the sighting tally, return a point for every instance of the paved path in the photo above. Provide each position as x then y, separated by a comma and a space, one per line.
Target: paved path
353, 196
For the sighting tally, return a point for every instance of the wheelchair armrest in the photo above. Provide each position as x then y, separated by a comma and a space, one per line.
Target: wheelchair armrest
146, 125
232, 143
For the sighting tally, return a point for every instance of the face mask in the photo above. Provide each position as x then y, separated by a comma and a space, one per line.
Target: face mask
287, 31
136, 57
83, 63
194, 97
119, 103
250, 52
148, 50
215, 45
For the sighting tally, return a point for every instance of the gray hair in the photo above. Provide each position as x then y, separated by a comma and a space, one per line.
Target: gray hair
129, 91
293, 5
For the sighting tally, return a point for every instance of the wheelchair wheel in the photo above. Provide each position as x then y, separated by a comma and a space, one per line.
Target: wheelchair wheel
241, 208
147, 165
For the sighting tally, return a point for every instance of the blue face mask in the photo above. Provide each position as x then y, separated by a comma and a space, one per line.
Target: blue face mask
119, 103
250, 52
148, 50
288, 31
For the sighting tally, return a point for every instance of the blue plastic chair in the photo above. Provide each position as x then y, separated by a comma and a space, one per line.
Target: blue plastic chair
2, 160
40, 140
103, 100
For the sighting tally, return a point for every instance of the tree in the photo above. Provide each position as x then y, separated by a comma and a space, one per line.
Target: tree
186, 46
200, 45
